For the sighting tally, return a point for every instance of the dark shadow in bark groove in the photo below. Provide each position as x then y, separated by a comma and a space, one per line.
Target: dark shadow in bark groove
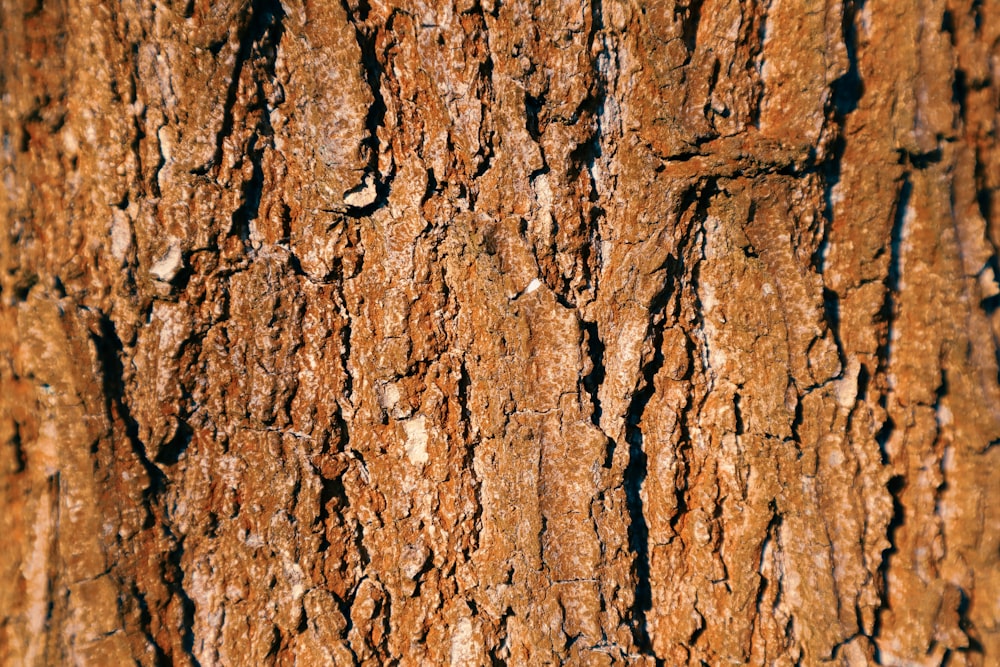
991, 303
846, 94
109, 351
893, 276
831, 313
984, 193
848, 89
176, 581
265, 17
895, 487
252, 192
160, 658
888, 312
532, 111
592, 381
587, 153
770, 535
373, 72
921, 161
635, 477
171, 452
17, 445
486, 151
738, 412
690, 17
264, 35
975, 646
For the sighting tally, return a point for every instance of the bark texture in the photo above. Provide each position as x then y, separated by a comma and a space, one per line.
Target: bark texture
500, 332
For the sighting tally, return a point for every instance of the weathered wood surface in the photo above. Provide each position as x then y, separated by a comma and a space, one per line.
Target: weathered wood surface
500, 332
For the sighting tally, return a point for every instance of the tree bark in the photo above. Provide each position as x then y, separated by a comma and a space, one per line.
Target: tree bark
500, 332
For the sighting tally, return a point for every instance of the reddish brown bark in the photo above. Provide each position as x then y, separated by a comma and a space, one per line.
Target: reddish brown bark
500, 333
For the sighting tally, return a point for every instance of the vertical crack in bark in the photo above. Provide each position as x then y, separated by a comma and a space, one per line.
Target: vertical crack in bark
895, 487
175, 578
145, 624
635, 477
110, 350
684, 446
848, 89
373, 72
690, 19
252, 189
263, 35
592, 150
484, 92
846, 92
984, 196
831, 299
136, 113
345, 357
897, 483
17, 445
943, 441
532, 112
770, 536
592, 381
889, 306
471, 439
54, 598
265, 17
737, 411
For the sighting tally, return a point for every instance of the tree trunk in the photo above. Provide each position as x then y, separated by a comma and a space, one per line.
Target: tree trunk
500, 333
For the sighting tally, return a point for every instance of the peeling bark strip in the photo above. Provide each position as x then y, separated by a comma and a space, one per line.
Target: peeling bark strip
494, 333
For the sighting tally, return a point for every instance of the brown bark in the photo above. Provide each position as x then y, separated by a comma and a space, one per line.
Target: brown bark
500, 332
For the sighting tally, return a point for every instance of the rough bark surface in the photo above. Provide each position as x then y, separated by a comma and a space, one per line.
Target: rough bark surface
500, 332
